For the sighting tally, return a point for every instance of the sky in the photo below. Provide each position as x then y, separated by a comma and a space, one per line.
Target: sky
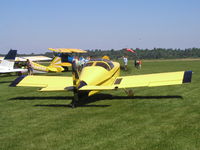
33, 26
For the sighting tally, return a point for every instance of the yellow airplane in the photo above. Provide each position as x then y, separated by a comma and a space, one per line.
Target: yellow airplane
65, 55
57, 63
98, 75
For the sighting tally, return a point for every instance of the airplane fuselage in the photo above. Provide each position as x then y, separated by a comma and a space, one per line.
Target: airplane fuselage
99, 72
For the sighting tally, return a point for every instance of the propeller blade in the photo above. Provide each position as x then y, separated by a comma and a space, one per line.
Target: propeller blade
75, 76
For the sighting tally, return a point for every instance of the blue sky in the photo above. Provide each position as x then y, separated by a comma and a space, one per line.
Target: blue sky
35, 25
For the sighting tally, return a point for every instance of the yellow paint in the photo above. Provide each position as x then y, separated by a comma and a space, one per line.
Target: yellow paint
106, 57
67, 50
97, 78
55, 66
66, 64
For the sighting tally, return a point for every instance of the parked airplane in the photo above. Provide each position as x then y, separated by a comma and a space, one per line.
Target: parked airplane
65, 55
98, 75
7, 64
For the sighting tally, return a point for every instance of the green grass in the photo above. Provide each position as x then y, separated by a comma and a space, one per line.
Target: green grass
159, 118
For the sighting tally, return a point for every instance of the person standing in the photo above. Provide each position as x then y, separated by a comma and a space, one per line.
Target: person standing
135, 63
82, 62
125, 59
29, 67
139, 64
87, 59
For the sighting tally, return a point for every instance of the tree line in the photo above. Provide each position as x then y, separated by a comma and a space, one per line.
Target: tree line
156, 53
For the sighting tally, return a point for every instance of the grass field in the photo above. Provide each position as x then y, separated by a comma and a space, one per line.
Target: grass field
158, 118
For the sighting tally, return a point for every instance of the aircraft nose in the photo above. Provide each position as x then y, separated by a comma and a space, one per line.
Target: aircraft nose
81, 84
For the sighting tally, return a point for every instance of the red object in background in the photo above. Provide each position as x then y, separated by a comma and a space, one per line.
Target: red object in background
130, 50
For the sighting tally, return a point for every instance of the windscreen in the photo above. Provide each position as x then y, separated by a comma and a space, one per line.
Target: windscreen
102, 64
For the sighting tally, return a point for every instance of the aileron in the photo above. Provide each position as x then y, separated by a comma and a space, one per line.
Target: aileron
150, 80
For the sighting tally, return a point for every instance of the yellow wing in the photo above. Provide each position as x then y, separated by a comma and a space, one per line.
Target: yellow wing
31, 58
67, 50
148, 80
151, 80
48, 83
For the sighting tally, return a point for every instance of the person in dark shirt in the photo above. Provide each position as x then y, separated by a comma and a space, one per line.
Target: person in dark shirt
29, 67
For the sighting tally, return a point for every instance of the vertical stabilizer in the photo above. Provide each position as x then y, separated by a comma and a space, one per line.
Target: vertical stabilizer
56, 63
55, 66
9, 59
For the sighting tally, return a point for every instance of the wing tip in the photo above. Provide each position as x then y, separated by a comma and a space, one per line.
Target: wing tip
187, 78
17, 80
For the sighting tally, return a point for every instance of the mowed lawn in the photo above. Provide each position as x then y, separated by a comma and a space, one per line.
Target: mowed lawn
158, 118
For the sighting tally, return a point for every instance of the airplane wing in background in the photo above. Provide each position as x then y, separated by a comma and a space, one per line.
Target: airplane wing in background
148, 80
47, 83
33, 58
67, 50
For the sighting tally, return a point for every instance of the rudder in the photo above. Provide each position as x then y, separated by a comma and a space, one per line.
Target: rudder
9, 59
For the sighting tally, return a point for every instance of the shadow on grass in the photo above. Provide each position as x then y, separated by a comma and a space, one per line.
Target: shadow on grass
85, 102
5, 82
43, 98
69, 106
99, 97
148, 97
8, 75
82, 103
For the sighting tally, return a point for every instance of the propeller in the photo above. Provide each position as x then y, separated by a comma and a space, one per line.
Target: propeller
77, 84
75, 77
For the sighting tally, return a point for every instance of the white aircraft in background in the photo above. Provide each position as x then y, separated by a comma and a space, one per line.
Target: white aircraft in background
31, 58
7, 64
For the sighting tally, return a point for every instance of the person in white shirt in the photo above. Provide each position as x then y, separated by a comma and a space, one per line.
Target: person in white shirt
125, 59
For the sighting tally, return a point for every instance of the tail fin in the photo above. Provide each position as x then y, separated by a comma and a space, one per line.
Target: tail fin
9, 59
56, 64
